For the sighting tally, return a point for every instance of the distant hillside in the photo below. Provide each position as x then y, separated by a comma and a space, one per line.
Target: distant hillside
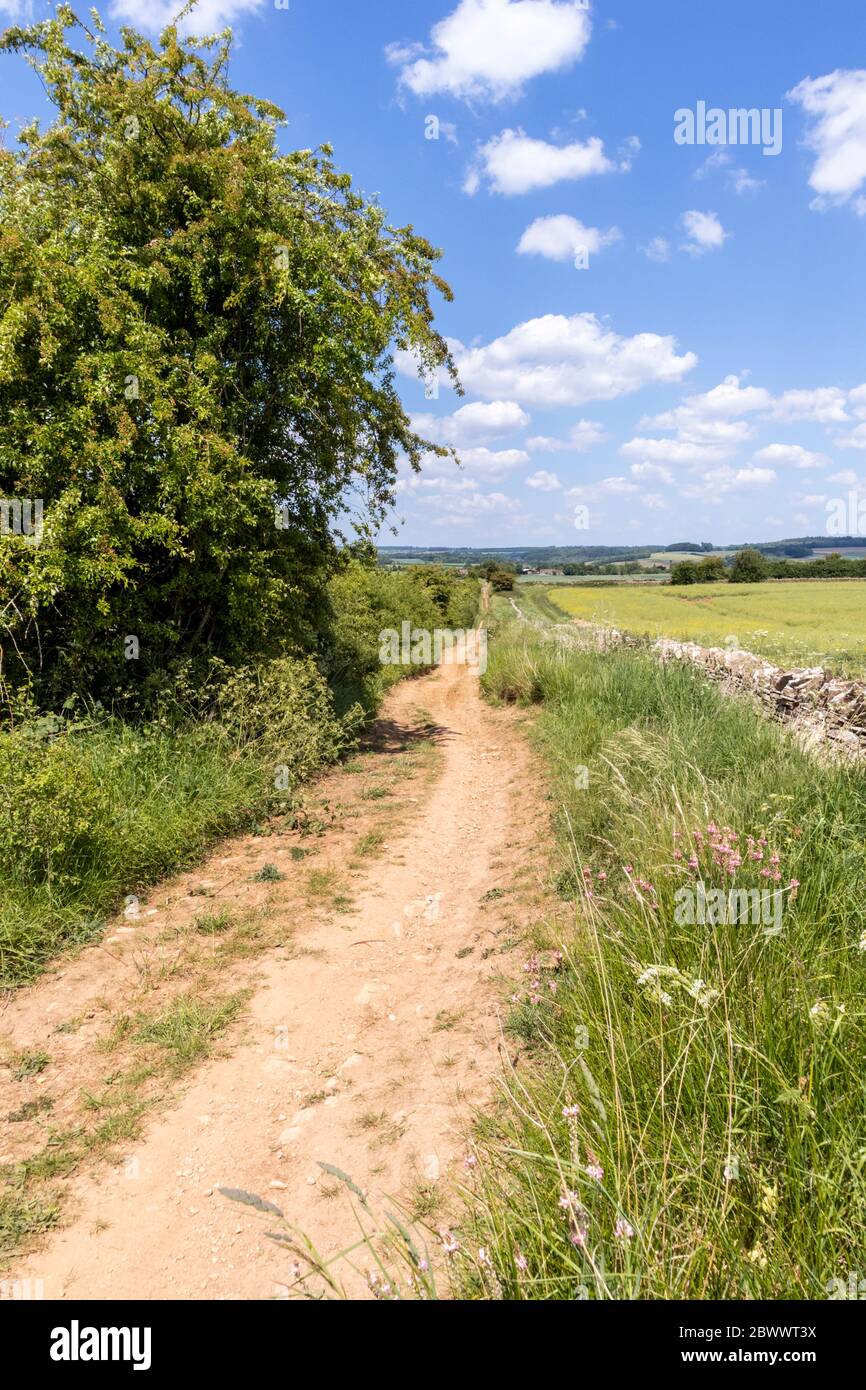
542, 557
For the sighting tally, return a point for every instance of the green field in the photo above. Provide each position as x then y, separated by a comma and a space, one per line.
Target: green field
805, 623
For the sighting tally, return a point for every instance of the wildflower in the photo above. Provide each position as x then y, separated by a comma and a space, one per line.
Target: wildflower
578, 1237
693, 862
551, 985
678, 854
449, 1244
792, 887
471, 1161
483, 1257
520, 1259
570, 1201
769, 1198
601, 876
570, 1112
622, 1230
595, 1171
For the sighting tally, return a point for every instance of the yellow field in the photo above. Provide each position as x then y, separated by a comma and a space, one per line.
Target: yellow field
804, 623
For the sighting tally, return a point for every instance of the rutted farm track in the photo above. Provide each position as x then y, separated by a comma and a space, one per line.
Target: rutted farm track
366, 986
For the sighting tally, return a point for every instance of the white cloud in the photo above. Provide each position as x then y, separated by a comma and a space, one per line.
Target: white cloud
628, 152
557, 360
651, 470
676, 451
208, 17
739, 180
704, 232
716, 482
836, 104
617, 486
581, 438
857, 401
492, 463
560, 238
544, 481
825, 405
742, 182
717, 160
847, 477
513, 162
471, 507
477, 423
657, 250
473, 465
707, 416
855, 440
488, 49
792, 455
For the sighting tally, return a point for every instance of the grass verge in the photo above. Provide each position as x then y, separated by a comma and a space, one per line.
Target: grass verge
687, 1118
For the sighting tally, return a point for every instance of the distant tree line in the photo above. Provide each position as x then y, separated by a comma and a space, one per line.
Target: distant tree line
751, 566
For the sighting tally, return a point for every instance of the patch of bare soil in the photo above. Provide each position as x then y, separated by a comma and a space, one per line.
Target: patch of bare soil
241, 1032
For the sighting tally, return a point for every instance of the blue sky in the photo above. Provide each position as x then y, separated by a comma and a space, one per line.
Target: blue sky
658, 341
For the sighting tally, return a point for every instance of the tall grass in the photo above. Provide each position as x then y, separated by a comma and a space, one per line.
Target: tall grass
687, 1120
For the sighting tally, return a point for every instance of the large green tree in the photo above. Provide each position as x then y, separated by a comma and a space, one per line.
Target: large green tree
196, 362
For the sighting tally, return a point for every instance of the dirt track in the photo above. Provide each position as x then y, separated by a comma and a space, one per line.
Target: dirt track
365, 1045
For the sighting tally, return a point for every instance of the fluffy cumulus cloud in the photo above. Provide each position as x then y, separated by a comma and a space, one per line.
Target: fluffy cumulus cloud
855, 440
792, 456
705, 426
715, 483
543, 481
488, 49
673, 451
558, 360
477, 423
654, 471
704, 232
836, 107
580, 439
513, 163
563, 238
208, 17
460, 502
825, 405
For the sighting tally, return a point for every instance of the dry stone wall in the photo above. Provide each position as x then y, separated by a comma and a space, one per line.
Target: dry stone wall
825, 708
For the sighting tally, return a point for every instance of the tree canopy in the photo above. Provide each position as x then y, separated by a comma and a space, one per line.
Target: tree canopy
196, 362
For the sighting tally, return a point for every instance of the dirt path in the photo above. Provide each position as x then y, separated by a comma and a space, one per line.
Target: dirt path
368, 1036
